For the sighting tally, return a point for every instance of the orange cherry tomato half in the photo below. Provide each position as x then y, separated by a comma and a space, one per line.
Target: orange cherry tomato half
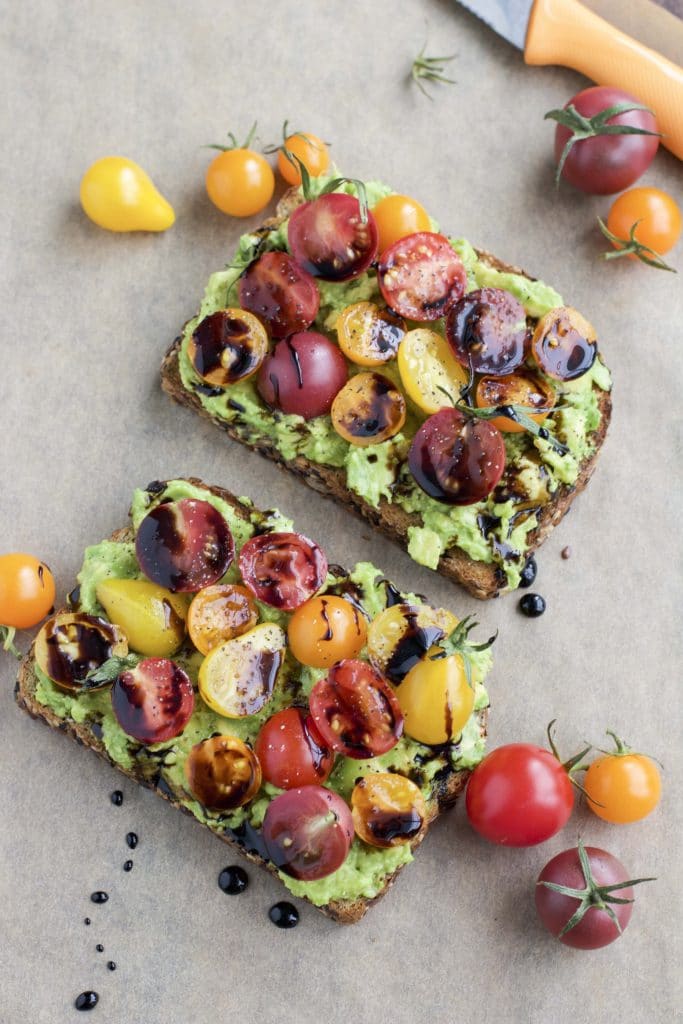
72, 644
521, 388
223, 773
326, 629
220, 612
27, 590
240, 182
398, 216
387, 809
312, 152
368, 335
659, 216
564, 343
227, 346
368, 409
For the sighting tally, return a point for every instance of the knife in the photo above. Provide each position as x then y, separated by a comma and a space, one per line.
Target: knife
567, 33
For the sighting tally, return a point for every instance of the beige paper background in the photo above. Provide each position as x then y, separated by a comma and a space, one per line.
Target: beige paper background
87, 316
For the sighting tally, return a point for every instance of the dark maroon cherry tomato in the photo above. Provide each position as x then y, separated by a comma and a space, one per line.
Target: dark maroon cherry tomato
278, 291
487, 331
328, 238
291, 750
154, 701
308, 832
519, 795
421, 276
457, 459
596, 928
282, 569
356, 711
184, 545
605, 164
302, 375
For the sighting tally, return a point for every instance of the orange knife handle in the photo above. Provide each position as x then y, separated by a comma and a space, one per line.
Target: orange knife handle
567, 33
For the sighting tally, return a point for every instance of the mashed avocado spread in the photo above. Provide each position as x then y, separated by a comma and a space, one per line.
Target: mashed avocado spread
490, 531
363, 873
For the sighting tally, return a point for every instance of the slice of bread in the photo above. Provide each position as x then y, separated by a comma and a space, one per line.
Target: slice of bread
446, 785
482, 579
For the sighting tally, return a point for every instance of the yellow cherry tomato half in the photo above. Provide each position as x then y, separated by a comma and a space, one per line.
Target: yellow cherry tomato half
436, 699
223, 773
325, 630
152, 618
236, 678
397, 217
659, 216
118, 195
369, 409
622, 786
240, 182
400, 635
428, 368
387, 809
520, 388
312, 152
27, 590
368, 335
218, 613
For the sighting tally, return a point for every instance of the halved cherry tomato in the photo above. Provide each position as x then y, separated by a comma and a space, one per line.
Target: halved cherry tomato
282, 569
430, 373
326, 629
278, 291
72, 644
227, 346
403, 633
398, 216
291, 750
240, 182
152, 618
220, 612
154, 701
421, 276
356, 711
564, 343
369, 409
436, 698
660, 218
520, 388
622, 786
223, 773
308, 832
27, 590
387, 810
329, 239
487, 331
309, 149
184, 545
368, 335
237, 678
302, 375
456, 459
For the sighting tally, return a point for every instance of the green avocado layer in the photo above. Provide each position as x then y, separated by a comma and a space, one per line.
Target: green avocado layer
489, 531
363, 874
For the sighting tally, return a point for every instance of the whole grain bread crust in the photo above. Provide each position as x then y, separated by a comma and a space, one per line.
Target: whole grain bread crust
483, 580
445, 790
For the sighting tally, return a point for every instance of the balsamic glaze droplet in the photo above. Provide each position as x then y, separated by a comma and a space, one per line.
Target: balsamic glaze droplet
87, 921
532, 605
86, 1001
284, 915
528, 572
117, 798
99, 947
132, 840
233, 880
99, 896
111, 965
128, 865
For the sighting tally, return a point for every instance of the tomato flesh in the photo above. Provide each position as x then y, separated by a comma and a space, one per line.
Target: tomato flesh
302, 375
369, 409
421, 276
154, 701
388, 810
564, 344
291, 751
456, 459
223, 773
218, 613
328, 238
308, 832
487, 331
356, 711
184, 545
227, 346
70, 645
282, 569
368, 335
278, 291
520, 388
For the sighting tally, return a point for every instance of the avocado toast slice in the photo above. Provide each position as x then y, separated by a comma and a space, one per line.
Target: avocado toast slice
440, 772
483, 546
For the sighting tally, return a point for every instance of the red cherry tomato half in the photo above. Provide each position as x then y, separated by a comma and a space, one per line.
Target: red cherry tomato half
519, 795
154, 701
278, 291
487, 330
291, 750
184, 545
356, 711
421, 276
282, 569
308, 832
302, 375
329, 240
606, 164
456, 459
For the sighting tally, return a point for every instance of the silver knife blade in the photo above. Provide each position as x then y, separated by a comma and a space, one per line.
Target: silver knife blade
509, 18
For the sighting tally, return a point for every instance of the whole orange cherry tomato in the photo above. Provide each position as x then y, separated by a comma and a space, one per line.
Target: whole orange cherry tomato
27, 590
398, 216
240, 182
643, 223
306, 147
622, 786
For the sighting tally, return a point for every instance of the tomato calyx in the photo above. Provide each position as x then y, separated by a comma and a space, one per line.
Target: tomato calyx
458, 642
311, 193
518, 413
431, 69
593, 896
108, 672
7, 635
282, 146
631, 246
234, 144
622, 749
582, 127
573, 764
